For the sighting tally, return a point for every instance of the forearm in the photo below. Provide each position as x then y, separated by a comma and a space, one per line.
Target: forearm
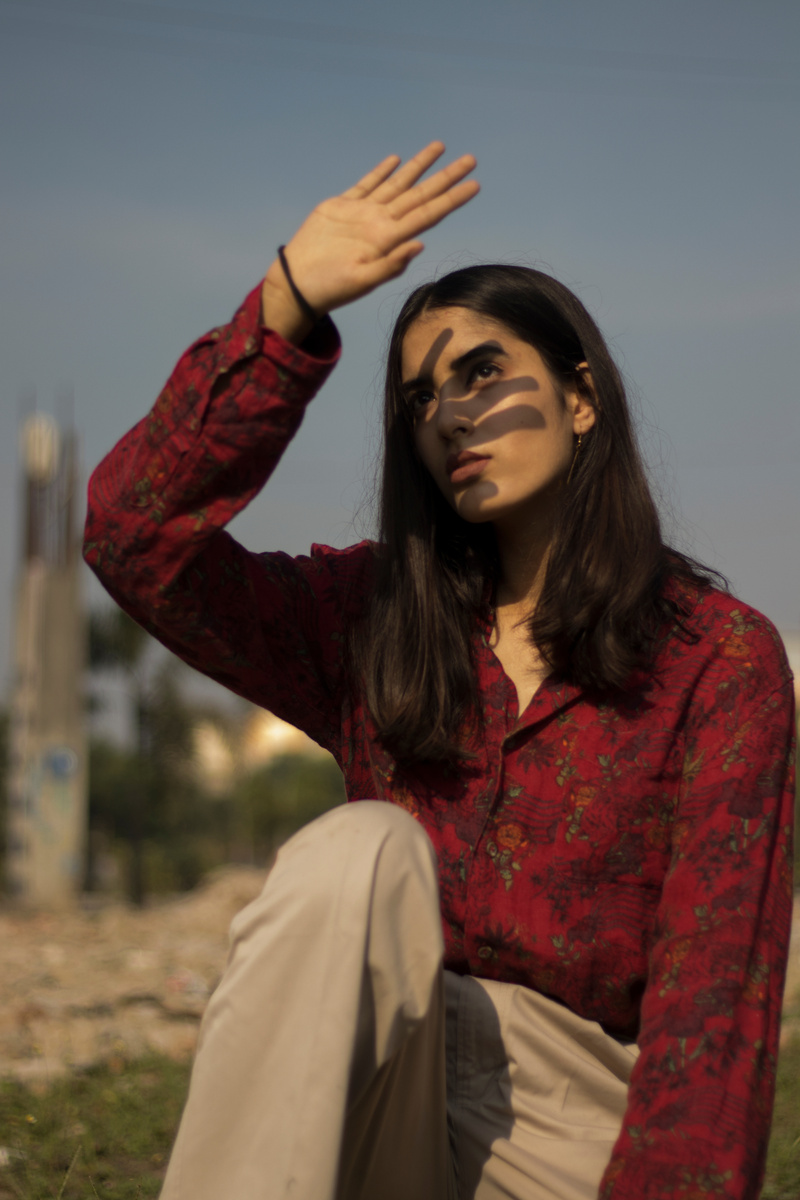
213, 437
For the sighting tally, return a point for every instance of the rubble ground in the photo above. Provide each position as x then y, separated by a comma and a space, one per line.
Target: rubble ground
80, 987
83, 986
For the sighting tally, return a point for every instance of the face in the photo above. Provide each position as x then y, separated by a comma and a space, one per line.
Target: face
493, 427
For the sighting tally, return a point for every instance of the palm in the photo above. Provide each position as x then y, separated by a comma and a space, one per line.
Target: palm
352, 243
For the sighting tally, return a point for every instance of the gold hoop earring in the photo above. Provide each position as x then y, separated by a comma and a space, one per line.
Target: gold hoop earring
575, 458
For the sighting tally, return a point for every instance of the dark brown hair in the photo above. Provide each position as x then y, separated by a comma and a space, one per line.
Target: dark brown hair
603, 599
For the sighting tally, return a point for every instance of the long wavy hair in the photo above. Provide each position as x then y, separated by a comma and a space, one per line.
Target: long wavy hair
604, 597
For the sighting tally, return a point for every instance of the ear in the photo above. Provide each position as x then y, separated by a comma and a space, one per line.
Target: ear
582, 400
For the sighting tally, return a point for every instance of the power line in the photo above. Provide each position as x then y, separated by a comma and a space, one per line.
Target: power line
184, 20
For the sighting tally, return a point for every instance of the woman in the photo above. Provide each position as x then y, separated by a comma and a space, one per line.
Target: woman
593, 742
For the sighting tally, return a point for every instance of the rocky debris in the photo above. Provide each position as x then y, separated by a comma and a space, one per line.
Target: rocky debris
791, 1004
79, 987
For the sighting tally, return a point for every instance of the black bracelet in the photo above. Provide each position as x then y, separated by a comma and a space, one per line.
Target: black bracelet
298, 295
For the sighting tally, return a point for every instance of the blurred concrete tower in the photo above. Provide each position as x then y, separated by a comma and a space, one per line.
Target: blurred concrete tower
47, 776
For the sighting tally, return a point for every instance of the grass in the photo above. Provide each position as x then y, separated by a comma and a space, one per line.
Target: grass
106, 1134
783, 1162
101, 1135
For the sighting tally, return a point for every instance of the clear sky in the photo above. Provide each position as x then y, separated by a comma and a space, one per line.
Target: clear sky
154, 154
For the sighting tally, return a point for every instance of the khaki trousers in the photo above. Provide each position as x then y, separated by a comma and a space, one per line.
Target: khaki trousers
338, 1061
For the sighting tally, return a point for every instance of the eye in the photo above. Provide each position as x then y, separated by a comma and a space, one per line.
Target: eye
419, 401
481, 372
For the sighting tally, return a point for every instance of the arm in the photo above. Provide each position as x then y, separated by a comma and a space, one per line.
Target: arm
701, 1094
158, 503
262, 625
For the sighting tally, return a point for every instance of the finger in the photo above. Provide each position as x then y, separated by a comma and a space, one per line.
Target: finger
426, 215
433, 187
401, 256
393, 264
373, 178
409, 173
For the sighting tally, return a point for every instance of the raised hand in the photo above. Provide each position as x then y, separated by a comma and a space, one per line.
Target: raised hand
352, 243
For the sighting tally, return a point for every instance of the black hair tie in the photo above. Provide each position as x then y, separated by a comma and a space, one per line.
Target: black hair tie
298, 295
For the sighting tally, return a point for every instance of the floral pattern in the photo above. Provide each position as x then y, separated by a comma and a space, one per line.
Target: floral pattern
631, 859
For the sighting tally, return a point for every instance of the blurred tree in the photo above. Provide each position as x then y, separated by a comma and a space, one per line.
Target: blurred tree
3, 791
151, 795
797, 807
117, 643
148, 796
183, 821
274, 801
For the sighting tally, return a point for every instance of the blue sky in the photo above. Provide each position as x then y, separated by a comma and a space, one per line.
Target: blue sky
154, 154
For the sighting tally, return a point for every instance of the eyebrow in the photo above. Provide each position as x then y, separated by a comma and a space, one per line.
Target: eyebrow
456, 364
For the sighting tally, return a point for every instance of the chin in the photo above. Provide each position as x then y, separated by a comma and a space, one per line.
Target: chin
475, 514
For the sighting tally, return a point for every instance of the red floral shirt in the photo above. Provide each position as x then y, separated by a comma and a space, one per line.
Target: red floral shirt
631, 859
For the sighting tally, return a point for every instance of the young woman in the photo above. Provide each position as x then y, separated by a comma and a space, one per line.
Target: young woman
560, 976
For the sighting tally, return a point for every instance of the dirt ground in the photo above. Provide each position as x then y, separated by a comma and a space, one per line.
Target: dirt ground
81, 986
78, 987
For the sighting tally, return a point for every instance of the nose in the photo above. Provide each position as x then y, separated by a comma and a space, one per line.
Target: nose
453, 417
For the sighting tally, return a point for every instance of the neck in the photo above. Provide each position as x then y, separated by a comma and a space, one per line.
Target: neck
523, 561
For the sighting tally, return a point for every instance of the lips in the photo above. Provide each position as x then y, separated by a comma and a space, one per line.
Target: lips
464, 465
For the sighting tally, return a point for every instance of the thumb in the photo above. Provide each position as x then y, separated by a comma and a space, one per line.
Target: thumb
392, 264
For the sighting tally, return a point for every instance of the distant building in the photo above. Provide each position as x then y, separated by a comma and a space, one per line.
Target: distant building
791, 640
221, 755
47, 775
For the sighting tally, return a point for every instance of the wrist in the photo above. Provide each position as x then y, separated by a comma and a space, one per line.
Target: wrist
279, 308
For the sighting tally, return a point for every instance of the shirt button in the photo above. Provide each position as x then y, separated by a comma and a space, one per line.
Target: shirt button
485, 952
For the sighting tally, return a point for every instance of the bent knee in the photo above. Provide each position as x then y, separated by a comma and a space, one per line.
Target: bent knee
368, 819
354, 856
379, 817
367, 829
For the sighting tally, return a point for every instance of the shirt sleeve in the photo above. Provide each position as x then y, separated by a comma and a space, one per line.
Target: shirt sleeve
266, 626
701, 1094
